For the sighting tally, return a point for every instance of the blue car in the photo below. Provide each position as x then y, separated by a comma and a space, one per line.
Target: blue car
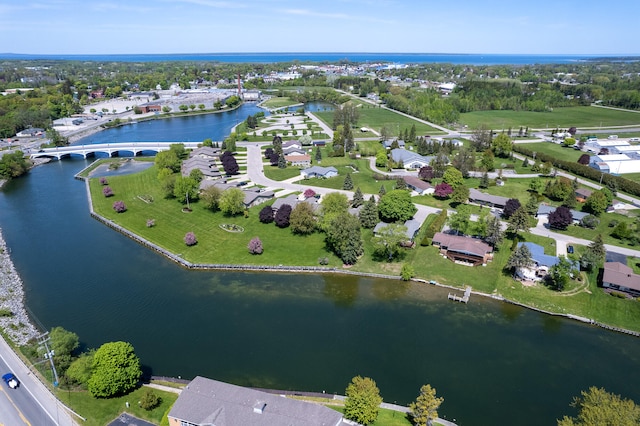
11, 380
570, 249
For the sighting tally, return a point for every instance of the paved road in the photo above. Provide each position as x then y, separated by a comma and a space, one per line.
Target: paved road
31, 403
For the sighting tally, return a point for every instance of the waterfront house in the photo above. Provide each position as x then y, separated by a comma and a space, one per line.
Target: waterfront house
412, 225
207, 402
618, 276
464, 250
540, 263
319, 172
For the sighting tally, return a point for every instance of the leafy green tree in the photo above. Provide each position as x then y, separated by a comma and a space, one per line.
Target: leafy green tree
232, 202
396, 205
186, 189
502, 145
344, 238
459, 221
210, 198
407, 272
302, 219
333, 204
381, 159
520, 258
597, 407
453, 177
596, 203
116, 370
149, 400
487, 161
363, 400
80, 369
348, 183
56, 138
570, 201
197, 175
460, 194
386, 243
168, 160
369, 214
425, 407
63, 344
621, 231
560, 273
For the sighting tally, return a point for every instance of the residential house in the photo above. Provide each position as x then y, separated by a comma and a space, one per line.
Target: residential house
418, 185
544, 210
256, 196
207, 402
30, 132
298, 160
618, 276
293, 200
291, 144
410, 160
412, 225
464, 250
389, 142
319, 172
484, 199
582, 194
540, 263
207, 167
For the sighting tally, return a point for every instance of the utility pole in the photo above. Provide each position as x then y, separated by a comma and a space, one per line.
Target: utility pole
43, 339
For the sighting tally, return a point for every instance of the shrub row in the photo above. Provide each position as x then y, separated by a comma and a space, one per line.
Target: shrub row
619, 182
435, 226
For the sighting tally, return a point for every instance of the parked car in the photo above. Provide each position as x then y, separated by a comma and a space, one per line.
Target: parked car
570, 249
634, 139
11, 380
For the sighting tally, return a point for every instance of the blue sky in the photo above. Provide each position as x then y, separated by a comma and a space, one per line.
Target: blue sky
217, 26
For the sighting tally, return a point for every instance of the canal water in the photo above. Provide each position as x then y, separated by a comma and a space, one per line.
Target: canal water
492, 362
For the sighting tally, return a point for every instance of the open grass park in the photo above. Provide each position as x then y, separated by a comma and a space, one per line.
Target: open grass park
581, 117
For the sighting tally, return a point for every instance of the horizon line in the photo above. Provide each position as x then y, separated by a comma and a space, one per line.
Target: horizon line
323, 52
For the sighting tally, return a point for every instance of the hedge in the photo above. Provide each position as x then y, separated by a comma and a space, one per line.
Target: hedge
619, 182
435, 226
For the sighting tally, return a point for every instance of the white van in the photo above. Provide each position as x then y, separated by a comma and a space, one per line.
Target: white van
613, 137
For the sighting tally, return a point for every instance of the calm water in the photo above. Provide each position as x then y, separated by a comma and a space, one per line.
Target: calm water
493, 363
404, 58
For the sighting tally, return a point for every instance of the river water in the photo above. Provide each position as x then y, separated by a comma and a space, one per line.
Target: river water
494, 363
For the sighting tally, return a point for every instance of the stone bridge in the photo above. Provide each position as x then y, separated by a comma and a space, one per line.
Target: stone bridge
111, 149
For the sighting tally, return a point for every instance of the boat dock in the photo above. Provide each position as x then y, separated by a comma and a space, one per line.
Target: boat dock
464, 298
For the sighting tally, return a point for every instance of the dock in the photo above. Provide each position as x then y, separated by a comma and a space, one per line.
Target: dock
464, 298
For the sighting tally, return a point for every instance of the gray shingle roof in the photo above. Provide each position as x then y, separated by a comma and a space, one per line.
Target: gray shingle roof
210, 402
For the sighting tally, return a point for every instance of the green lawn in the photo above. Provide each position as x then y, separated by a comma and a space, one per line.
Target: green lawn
215, 245
560, 117
279, 102
100, 412
555, 150
376, 118
273, 172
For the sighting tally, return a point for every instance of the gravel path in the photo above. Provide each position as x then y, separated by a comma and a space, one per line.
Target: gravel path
16, 323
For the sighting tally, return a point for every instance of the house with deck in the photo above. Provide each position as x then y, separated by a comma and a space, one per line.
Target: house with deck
463, 250
207, 402
540, 263
620, 277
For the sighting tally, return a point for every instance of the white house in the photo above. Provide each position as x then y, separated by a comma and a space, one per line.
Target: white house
319, 172
409, 160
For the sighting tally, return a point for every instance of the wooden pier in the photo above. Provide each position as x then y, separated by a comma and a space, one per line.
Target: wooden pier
464, 298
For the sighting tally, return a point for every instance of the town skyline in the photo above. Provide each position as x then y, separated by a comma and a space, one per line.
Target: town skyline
402, 26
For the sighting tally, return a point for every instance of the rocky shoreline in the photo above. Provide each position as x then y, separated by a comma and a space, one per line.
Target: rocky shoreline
14, 320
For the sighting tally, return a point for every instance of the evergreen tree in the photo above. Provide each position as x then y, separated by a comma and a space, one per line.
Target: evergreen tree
484, 181
425, 408
318, 155
282, 163
358, 198
348, 183
532, 205
494, 233
520, 258
382, 191
369, 214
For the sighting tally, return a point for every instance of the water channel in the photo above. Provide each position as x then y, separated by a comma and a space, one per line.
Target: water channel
493, 363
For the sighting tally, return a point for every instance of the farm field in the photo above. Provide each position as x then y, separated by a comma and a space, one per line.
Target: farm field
558, 151
376, 118
580, 117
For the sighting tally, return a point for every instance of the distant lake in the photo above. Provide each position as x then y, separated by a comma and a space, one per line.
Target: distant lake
399, 58
494, 363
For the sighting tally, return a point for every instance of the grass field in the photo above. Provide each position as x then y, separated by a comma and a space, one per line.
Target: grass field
579, 117
279, 102
100, 412
555, 150
376, 118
